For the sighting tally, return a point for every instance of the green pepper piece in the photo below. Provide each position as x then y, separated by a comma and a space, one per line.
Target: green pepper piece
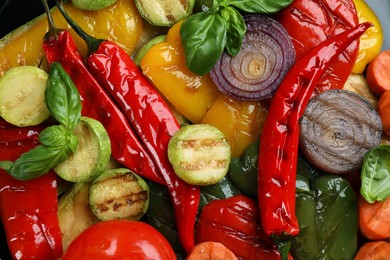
221, 190
326, 208
243, 171
161, 216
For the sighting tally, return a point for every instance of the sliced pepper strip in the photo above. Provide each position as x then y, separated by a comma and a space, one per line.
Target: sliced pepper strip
278, 152
28, 209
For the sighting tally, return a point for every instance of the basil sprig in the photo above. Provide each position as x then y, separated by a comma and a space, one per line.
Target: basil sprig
375, 174
57, 141
205, 35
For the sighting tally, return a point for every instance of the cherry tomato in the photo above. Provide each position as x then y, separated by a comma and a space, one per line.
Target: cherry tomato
310, 22
120, 239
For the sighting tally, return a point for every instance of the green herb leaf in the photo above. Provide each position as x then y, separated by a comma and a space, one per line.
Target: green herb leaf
375, 174
236, 30
204, 38
53, 136
37, 161
62, 97
260, 6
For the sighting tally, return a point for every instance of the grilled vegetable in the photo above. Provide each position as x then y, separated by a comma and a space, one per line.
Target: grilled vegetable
337, 129
164, 12
74, 212
257, 70
326, 208
22, 98
91, 156
92, 4
200, 154
119, 194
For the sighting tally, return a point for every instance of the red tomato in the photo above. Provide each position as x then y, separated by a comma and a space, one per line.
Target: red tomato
233, 222
310, 22
120, 239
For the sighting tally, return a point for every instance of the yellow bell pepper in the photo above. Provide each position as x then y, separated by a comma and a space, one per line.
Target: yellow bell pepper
120, 22
164, 64
241, 122
371, 41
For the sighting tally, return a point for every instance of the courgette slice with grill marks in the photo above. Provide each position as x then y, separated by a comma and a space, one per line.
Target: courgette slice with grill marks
200, 154
119, 194
92, 154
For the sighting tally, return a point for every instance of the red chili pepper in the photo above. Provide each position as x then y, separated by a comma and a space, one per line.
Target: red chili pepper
149, 115
234, 222
127, 149
279, 139
28, 209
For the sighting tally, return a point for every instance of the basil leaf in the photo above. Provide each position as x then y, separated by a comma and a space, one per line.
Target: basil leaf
236, 30
37, 161
375, 174
53, 136
260, 6
204, 38
62, 98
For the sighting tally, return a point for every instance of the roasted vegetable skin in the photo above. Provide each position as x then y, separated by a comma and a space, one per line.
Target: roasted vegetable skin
328, 219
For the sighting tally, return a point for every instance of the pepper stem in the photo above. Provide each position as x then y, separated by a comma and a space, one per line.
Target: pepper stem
283, 244
49, 16
92, 43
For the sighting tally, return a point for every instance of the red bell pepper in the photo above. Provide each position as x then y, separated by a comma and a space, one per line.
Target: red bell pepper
28, 209
234, 222
278, 152
127, 149
150, 117
310, 22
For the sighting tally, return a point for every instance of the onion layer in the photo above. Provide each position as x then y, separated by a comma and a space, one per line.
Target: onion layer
257, 70
337, 129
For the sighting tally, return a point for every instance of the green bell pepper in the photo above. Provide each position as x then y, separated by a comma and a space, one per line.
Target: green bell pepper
326, 208
243, 171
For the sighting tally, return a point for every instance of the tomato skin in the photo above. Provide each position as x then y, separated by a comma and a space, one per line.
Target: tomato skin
310, 22
120, 239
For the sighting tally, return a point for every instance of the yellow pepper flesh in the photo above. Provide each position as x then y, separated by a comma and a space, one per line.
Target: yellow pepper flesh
164, 64
371, 41
241, 122
120, 23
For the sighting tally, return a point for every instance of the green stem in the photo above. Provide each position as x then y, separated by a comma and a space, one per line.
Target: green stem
283, 244
92, 43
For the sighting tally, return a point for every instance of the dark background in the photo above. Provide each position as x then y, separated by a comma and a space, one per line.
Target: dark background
14, 13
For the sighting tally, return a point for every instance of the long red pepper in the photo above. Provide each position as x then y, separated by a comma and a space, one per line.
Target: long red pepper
28, 209
279, 139
149, 115
127, 149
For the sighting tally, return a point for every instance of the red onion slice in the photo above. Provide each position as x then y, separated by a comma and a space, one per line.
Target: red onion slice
256, 71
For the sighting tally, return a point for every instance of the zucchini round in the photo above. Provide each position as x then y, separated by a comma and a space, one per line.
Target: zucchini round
22, 96
164, 12
119, 194
200, 154
92, 154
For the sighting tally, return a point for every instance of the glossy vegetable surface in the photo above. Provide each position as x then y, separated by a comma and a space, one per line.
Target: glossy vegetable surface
120, 239
328, 219
337, 129
59, 46
234, 222
28, 209
310, 22
149, 115
24, 46
278, 155
257, 69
